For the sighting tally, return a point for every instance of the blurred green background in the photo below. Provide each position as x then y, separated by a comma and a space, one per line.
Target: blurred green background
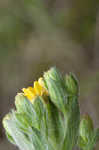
38, 34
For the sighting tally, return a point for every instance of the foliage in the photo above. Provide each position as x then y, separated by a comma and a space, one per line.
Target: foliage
50, 121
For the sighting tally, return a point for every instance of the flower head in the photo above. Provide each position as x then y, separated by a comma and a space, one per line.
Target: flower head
4, 121
37, 90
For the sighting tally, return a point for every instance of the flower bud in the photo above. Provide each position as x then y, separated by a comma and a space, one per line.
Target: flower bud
86, 127
7, 118
71, 84
88, 136
4, 122
20, 101
56, 88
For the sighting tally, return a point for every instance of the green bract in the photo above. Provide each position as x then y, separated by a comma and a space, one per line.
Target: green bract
52, 120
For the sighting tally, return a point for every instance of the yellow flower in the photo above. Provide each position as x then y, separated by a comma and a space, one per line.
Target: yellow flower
29, 93
37, 90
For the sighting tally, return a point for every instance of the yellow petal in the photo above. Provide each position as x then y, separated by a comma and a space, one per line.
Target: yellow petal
38, 88
29, 93
41, 82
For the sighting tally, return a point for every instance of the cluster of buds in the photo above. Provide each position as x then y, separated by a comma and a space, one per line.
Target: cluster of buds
47, 116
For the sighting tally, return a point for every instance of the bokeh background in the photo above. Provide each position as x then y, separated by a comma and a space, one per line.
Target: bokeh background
38, 34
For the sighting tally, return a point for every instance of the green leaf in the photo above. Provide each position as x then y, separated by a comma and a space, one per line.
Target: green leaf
31, 140
10, 139
71, 122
